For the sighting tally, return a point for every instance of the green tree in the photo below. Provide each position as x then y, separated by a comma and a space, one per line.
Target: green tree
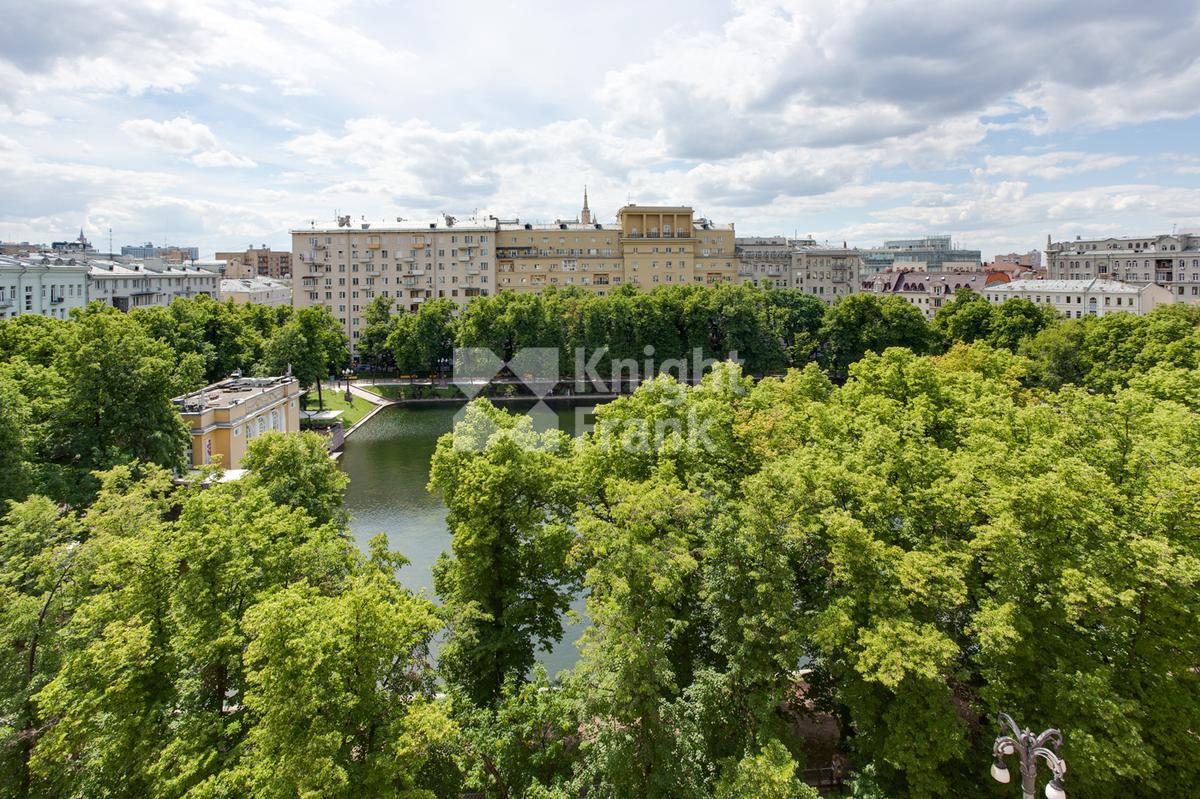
1016, 320
296, 471
507, 582
770, 774
312, 345
340, 693
116, 407
862, 323
36, 558
966, 318
378, 323
15, 420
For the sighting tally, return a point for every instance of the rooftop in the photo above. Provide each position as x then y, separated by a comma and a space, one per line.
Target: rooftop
1106, 286
229, 393
253, 284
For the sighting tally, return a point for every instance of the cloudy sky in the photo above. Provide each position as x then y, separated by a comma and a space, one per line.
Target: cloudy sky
221, 123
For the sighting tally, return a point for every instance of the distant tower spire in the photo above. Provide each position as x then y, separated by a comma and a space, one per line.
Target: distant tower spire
585, 216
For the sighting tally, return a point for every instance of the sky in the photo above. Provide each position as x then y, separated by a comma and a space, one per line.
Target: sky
225, 124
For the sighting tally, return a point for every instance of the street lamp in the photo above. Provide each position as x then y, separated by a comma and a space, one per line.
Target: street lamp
1028, 748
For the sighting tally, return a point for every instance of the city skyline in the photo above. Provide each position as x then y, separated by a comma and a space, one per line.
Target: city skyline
219, 125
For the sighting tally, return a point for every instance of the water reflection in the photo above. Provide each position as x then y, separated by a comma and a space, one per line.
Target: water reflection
388, 464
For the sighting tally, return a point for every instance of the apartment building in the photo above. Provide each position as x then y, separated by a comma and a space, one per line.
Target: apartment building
129, 285
825, 272
1077, 298
668, 245
1030, 260
766, 258
226, 416
928, 291
257, 262
1171, 261
345, 267
42, 284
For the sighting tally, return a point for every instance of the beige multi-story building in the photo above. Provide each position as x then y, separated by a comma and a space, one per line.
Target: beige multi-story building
1031, 260
1171, 261
578, 252
766, 258
345, 267
225, 417
257, 262
649, 246
664, 245
827, 273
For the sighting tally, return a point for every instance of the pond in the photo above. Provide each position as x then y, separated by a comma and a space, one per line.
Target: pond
388, 464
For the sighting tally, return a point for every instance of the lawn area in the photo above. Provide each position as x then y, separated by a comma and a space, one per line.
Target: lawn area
336, 401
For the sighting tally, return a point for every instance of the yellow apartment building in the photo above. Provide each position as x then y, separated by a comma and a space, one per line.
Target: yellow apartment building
345, 267
666, 245
649, 246
580, 253
225, 417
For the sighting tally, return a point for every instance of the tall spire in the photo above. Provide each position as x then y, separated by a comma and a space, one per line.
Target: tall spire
585, 216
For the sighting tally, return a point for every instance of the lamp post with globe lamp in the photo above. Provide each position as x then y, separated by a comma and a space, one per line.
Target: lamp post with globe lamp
1029, 748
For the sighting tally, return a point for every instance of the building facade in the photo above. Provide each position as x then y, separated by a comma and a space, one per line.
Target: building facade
930, 253
766, 258
1031, 260
126, 286
531, 257
665, 245
171, 252
42, 284
225, 417
257, 262
345, 267
257, 291
1171, 261
826, 273
1075, 299
928, 291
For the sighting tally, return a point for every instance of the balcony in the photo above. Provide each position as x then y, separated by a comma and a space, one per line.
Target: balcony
374, 245
5, 302
415, 273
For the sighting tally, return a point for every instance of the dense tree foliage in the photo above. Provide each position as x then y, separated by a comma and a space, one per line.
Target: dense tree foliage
916, 526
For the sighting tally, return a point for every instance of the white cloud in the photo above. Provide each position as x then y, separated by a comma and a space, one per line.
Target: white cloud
183, 136
179, 135
222, 158
1051, 166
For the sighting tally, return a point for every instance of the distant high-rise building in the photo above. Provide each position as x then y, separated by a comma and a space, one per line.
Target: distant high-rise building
930, 253
172, 252
257, 262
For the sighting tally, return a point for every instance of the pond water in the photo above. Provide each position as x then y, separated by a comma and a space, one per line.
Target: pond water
388, 464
